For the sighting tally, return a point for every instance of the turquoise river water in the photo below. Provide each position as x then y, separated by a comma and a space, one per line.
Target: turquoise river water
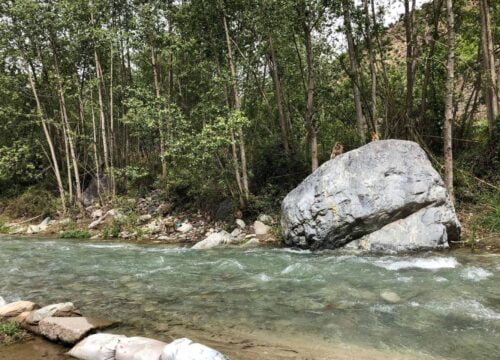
448, 307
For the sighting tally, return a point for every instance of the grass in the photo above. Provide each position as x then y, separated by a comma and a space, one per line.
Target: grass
75, 234
4, 229
11, 333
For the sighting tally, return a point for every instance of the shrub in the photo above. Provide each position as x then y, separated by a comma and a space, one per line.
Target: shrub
10, 333
33, 202
75, 234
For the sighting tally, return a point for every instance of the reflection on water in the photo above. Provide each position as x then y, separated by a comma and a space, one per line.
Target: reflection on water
449, 304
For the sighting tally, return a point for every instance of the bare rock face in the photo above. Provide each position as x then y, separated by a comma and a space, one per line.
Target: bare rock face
69, 330
16, 308
384, 196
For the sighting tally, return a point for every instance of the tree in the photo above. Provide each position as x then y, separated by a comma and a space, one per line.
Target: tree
450, 88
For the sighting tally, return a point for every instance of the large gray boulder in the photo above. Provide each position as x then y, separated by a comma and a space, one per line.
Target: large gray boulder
385, 195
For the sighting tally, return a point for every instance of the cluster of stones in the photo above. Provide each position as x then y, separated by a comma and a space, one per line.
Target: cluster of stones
64, 323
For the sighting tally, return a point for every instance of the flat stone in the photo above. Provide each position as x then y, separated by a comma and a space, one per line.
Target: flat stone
70, 329
54, 310
16, 308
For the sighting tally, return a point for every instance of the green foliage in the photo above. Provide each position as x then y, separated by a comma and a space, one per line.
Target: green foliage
4, 229
19, 165
11, 332
75, 234
112, 231
33, 202
489, 219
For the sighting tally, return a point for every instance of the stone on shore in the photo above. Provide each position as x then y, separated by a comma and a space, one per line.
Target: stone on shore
385, 194
54, 310
260, 228
221, 238
241, 224
35, 229
16, 308
266, 219
69, 330
139, 348
185, 228
96, 347
185, 349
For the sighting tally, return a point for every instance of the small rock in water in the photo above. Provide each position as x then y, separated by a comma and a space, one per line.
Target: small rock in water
2, 301
55, 310
390, 297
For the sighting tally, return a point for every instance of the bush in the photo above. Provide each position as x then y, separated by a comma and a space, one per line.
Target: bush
75, 234
33, 202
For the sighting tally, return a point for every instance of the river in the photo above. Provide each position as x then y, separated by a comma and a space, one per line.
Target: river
284, 303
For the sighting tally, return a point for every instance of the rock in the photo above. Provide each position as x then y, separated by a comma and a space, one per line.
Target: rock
113, 213
65, 221
154, 227
139, 348
241, 224
144, 218
69, 329
252, 242
185, 228
97, 347
127, 235
15, 308
260, 228
390, 297
96, 214
35, 229
236, 232
266, 219
54, 310
2, 301
185, 349
365, 190
163, 209
423, 230
214, 240
22, 317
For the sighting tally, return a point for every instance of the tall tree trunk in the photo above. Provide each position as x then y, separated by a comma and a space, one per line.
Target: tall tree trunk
95, 143
311, 131
437, 6
154, 65
448, 121
66, 154
237, 107
490, 75
111, 119
55, 164
104, 137
373, 71
285, 131
68, 132
410, 52
360, 120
